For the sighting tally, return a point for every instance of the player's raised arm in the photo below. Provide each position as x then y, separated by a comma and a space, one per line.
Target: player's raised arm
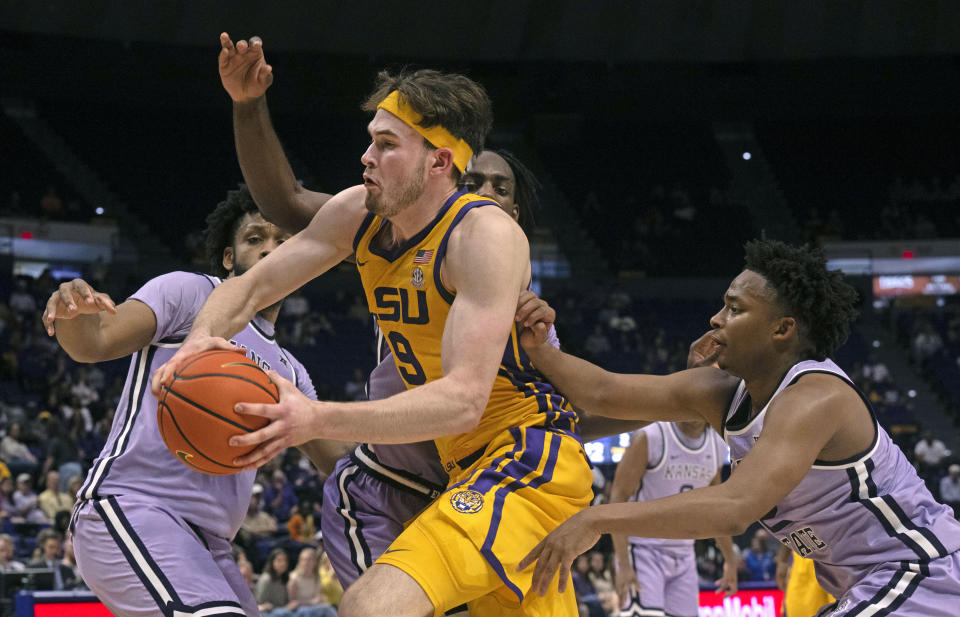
90, 328
323, 244
246, 76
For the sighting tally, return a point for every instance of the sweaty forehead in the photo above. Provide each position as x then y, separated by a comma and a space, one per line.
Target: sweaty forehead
490, 165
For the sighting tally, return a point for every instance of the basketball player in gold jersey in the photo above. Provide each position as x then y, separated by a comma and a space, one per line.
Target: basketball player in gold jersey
442, 273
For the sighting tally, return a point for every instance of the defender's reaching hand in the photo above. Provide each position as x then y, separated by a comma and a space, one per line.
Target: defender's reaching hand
72, 299
535, 317
243, 70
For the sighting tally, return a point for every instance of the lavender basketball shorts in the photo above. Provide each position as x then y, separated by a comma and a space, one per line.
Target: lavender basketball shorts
904, 589
142, 560
667, 583
365, 507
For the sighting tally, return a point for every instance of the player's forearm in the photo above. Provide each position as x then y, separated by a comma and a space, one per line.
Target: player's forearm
81, 337
702, 513
620, 491
725, 544
436, 409
265, 167
621, 550
228, 309
596, 427
586, 385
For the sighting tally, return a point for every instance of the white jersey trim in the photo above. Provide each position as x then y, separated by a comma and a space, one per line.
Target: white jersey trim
377, 467
347, 513
860, 461
131, 546
663, 452
139, 382
883, 508
676, 436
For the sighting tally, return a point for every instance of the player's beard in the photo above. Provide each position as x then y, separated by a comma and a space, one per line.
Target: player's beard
395, 200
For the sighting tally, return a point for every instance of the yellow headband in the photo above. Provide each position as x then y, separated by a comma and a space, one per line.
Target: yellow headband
437, 135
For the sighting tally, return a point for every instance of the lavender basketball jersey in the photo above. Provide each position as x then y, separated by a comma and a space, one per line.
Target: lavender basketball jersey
677, 463
420, 458
849, 515
135, 460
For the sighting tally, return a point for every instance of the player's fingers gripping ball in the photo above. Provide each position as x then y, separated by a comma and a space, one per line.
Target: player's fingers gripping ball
196, 411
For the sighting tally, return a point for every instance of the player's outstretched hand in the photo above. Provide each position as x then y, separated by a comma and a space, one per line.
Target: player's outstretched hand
243, 70
193, 345
74, 298
727, 584
535, 318
558, 550
290, 424
703, 351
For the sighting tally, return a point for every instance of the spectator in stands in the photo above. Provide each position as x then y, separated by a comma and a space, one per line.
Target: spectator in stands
304, 588
70, 561
301, 524
272, 598
7, 562
587, 603
73, 486
760, 558
875, 370
930, 454
7, 510
355, 388
26, 503
52, 499
926, 343
246, 569
82, 389
257, 522
602, 580
278, 496
62, 453
15, 453
22, 301
597, 343
950, 489
49, 543
332, 590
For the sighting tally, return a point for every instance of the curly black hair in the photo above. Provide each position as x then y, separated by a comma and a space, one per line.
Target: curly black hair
820, 300
222, 225
526, 190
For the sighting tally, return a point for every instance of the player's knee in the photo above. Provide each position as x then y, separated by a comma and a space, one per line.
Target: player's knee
352, 603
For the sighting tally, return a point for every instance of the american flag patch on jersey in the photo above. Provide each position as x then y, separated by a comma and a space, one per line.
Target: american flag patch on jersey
423, 256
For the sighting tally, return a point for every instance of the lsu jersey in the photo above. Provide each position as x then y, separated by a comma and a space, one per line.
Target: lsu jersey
406, 294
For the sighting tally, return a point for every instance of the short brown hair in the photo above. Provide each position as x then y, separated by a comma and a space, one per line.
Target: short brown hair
453, 101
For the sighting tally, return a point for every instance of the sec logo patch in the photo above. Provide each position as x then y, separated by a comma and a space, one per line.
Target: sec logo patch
467, 502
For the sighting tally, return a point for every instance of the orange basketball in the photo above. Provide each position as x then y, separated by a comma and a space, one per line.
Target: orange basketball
195, 412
